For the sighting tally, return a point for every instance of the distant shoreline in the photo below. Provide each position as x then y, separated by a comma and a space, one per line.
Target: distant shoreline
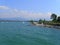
12, 21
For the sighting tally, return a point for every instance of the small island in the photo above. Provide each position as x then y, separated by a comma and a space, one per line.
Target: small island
54, 23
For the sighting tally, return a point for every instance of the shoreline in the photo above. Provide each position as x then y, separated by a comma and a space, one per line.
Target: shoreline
46, 25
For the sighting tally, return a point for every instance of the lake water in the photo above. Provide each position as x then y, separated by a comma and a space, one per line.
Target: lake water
19, 33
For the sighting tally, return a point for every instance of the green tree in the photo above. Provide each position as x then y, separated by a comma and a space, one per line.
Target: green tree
40, 21
58, 19
44, 21
54, 17
31, 21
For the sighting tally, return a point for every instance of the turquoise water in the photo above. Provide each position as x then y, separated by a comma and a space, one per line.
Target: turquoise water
18, 33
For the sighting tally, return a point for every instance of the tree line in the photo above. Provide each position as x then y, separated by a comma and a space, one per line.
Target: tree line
54, 18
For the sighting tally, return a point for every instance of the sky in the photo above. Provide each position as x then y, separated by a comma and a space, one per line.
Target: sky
29, 9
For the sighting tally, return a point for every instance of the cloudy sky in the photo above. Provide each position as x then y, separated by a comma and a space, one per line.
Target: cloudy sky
29, 9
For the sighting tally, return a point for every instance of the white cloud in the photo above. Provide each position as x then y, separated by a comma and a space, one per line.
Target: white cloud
13, 13
15, 10
3, 8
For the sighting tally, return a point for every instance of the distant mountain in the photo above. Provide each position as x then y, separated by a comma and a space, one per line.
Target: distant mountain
17, 19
